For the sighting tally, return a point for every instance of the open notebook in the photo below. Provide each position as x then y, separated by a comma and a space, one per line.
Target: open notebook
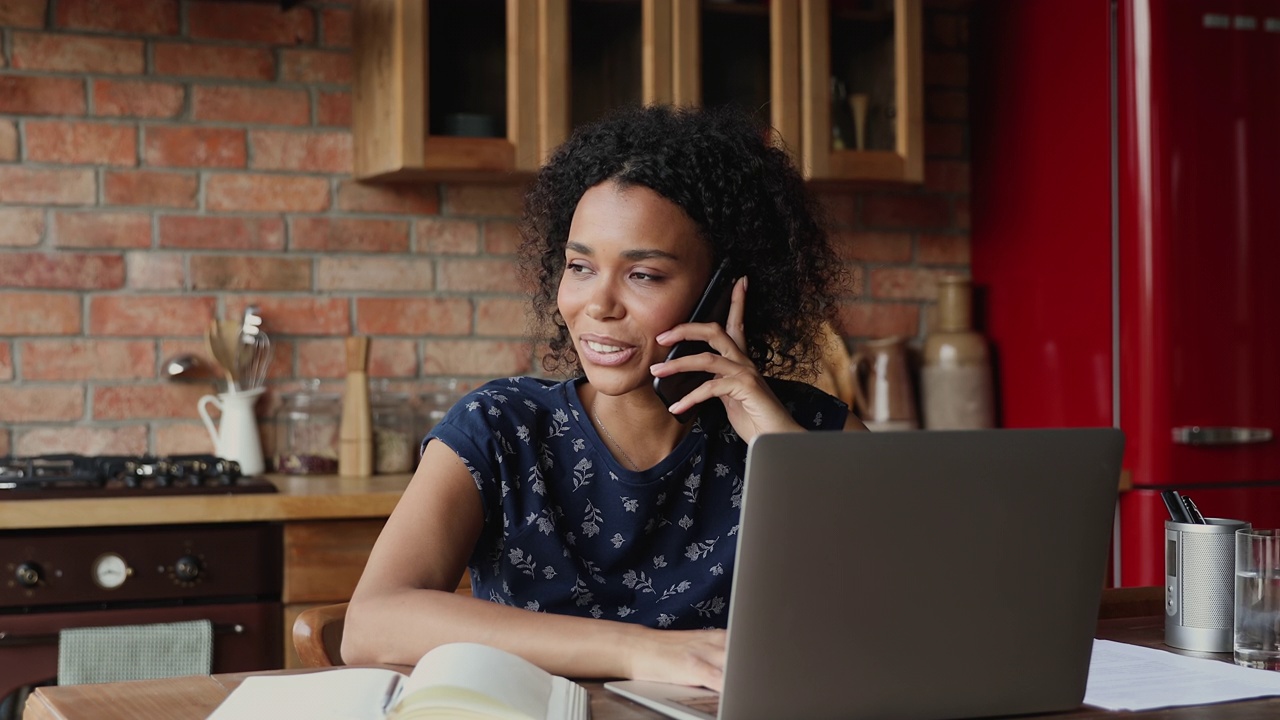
457, 680
916, 575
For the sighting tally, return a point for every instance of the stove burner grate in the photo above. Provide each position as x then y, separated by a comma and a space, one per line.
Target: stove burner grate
70, 475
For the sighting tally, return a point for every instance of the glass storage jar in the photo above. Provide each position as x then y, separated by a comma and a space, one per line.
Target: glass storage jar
306, 426
395, 432
438, 396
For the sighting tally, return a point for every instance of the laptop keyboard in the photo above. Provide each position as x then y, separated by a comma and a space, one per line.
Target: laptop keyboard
709, 704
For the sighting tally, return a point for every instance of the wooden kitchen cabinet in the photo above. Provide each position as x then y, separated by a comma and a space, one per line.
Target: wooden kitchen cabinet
597, 55
745, 54
430, 73
323, 560
449, 96
863, 54
529, 71
799, 64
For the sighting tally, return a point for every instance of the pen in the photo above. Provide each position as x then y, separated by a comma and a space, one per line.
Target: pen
1177, 510
1193, 512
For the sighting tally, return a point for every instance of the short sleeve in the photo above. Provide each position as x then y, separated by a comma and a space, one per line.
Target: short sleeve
809, 406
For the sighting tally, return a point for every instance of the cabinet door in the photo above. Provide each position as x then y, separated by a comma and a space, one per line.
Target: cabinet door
445, 89
598, 55
861, 89
744, 53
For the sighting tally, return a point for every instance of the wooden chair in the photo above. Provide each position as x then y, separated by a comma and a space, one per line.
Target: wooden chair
317, 635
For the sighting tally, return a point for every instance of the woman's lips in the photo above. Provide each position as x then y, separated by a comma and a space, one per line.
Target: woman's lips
606, 352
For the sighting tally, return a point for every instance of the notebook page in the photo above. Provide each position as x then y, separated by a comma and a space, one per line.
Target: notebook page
341, 694
502, 676
568, 700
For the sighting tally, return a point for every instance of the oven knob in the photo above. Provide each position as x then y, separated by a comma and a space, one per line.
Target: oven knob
28, 574
110, 571
187, 568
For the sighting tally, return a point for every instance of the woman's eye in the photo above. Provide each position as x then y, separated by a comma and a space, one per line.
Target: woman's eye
645, 277
576, 268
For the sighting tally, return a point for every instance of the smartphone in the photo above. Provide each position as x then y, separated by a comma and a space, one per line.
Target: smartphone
713, 306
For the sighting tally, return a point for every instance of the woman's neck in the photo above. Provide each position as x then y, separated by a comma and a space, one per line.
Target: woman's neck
637, 427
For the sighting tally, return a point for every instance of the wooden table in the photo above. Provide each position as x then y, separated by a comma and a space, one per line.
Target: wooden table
194, 697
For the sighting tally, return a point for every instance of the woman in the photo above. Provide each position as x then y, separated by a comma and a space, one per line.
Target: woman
601, 541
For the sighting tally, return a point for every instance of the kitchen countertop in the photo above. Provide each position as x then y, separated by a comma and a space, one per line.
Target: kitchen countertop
301, 497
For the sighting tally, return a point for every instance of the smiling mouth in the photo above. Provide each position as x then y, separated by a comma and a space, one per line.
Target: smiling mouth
602, 348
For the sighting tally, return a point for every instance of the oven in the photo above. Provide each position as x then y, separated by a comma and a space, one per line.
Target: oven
56, 579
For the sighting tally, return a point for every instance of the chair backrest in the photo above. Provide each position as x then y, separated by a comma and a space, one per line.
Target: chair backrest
317, 635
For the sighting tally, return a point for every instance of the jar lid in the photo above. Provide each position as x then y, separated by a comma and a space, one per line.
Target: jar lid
441, 391
307, 396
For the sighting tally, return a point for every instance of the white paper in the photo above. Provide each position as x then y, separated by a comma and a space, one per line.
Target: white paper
1129, 677
345, 694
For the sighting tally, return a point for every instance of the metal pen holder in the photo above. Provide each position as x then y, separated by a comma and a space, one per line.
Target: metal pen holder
1199, 584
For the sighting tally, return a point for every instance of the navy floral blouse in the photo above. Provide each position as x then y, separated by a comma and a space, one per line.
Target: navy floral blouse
569, 530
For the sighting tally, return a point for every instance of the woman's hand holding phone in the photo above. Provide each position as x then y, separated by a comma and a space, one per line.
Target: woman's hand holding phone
751, 406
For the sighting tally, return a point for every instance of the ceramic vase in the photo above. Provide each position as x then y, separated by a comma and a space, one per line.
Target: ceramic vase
955, 377
882, 394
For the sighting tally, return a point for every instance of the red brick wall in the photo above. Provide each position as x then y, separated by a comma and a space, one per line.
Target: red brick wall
163, 162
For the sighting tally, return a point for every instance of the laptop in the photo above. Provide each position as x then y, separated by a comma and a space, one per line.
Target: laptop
913, 576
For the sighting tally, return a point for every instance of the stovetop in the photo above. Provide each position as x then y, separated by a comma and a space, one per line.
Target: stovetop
73, 476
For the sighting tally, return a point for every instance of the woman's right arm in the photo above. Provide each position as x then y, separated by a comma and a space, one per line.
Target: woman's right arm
404, 604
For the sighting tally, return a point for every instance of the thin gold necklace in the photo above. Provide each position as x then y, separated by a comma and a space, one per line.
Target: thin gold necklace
616, 444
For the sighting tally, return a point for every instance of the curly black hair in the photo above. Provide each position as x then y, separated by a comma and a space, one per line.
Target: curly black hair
746, 198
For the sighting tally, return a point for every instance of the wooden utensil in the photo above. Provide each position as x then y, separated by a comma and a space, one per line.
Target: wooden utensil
355, 452
229, 335
858, 108
222, 353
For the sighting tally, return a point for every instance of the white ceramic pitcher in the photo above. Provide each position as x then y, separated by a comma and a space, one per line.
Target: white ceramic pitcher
236, 435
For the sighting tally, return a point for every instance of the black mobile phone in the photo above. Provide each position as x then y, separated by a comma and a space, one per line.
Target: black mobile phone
713, 306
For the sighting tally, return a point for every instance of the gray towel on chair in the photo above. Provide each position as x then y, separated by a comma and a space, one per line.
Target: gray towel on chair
134, 652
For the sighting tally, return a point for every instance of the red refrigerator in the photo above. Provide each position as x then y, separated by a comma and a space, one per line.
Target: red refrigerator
1126, 242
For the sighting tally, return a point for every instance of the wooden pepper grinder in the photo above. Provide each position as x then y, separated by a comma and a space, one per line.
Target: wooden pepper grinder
355, 456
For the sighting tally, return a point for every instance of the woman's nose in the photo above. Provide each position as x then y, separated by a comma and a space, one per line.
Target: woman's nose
603, 302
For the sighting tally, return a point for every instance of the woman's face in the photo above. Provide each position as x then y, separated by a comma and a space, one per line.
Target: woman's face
634, 267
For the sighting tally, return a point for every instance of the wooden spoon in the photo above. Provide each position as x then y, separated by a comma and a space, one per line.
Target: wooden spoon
219, 349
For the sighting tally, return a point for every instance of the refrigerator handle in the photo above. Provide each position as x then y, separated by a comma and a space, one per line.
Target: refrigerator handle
1196, 435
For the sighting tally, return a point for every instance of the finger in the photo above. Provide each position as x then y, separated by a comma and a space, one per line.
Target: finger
708, 362
736, 325
715, 387
712, 334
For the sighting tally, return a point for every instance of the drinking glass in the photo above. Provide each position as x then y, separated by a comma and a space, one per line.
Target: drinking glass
1257, 614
